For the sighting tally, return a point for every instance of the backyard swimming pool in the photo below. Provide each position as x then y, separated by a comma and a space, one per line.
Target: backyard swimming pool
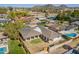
71, 35
3, 50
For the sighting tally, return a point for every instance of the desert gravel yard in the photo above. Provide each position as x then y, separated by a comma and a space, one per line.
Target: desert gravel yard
74, 42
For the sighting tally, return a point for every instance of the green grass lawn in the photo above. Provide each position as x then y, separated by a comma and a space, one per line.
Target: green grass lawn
14, 48
36, 41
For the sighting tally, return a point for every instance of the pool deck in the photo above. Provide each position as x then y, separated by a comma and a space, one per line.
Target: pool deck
7, 50
66, 32
5, 44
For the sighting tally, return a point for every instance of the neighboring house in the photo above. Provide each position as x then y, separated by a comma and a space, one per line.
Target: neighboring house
73, 25
48, 34
42, 32
34, 23
76, 23
4, 20
70, 27
74, 19
26, 18
37, 14
52, 26
52, 16
3, 15
41, 18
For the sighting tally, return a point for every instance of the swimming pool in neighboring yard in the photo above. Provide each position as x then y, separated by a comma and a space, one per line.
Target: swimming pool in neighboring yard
71, 35
3, 50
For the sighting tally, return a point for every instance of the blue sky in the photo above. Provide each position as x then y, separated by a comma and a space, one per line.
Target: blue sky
31, 5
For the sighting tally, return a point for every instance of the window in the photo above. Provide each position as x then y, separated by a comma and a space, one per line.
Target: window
32, 37
36, 36
28, 38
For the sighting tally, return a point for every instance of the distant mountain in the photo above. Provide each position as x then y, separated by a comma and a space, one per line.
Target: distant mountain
63, 6
44, 7
50, 6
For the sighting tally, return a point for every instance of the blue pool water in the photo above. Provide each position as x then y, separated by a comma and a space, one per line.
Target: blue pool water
71, 35
2, 50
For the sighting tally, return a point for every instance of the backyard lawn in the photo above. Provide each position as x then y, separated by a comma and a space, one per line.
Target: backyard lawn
36, 41
35, 45
14, 47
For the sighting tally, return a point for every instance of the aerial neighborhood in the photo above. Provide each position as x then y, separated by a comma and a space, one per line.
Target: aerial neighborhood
40, 29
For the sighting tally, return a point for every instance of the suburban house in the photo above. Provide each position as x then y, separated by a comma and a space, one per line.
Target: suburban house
42, 32
52, 25
4, 20
76, 23
52, 16
37, 14
40, 18
46, 35
74, 19
34, 23
73, 25
3, 15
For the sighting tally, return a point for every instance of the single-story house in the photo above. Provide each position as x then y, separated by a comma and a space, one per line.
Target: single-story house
3, 15
4, 20
52, 16
42, 32
41, 18
29, 33
74, 19
46, 35
52, 26
75, 23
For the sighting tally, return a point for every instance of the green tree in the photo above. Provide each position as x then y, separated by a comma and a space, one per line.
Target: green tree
63, 17
11, 15
75, 13
14, 14
3, 10
12, 29
10, 8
